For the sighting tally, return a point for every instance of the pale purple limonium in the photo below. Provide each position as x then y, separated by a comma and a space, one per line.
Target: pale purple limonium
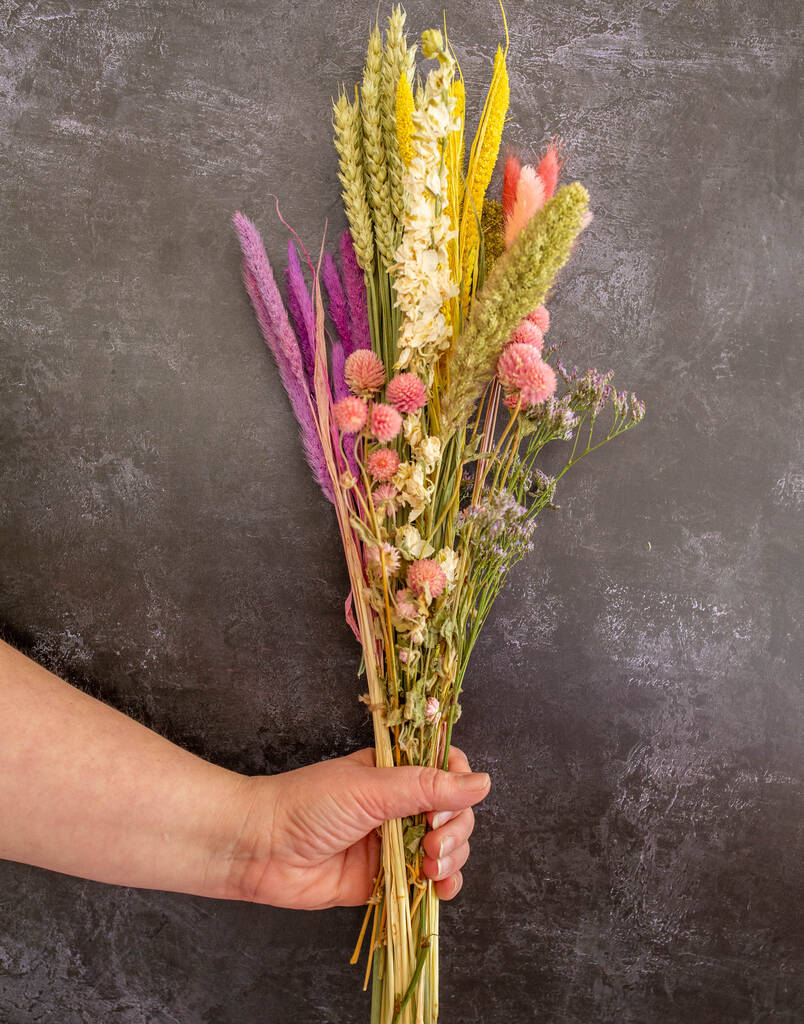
557, 415
259, 280
355, 285
338, 307
501, 529
591, 392
301, 310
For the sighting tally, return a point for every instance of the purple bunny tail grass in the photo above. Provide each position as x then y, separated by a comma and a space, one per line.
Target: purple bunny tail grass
339, 391
301, 310
355, 284
278, 336
296, 389
257, 262
339, 388
338, 308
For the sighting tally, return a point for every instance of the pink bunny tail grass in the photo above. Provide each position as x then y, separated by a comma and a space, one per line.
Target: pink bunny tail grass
510, 179
549, 169
279, 337
355, 286
586, 219
529, 200
300, 306
338, 308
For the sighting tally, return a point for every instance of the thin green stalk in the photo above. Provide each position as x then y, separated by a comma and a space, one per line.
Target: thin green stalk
376, 986
414, 980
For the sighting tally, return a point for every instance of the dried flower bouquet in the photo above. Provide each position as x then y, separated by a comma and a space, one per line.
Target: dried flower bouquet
423, 409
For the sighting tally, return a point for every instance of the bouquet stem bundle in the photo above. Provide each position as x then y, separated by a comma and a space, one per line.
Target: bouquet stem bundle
423, 412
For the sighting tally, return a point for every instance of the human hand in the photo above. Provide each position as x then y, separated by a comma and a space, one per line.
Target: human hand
309, 838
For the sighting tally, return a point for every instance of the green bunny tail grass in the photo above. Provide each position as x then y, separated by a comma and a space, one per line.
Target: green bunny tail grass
518, 284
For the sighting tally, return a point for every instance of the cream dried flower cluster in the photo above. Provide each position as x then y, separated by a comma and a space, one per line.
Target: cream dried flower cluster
421, 273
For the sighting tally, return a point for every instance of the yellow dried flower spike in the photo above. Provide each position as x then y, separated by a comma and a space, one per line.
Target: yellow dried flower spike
404, 118
482, 159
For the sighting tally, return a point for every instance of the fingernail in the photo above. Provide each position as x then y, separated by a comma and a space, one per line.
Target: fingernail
473, 781
447, 846
442, 817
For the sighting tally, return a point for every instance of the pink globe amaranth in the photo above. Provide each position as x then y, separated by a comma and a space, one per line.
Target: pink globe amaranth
406, 392
521, 368
350, 414
427, 573
364, 373
541, 318
385, 422
527, 333
383, 463
541, 385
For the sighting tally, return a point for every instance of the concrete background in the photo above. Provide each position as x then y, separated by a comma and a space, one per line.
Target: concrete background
636, 695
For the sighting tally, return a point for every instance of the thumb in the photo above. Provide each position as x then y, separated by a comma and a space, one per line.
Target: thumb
387, 793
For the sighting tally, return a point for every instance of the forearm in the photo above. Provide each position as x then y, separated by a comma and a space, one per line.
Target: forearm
87, 791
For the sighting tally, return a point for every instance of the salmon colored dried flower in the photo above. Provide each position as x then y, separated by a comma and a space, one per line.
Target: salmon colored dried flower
350, 414
510, 182
521, 369
364, 373
431, 709
386, 499
406, 392
527, 333
541, 317
383, 463
406, 604
385, 422
383, 555
549, 168
427, 575
529, 200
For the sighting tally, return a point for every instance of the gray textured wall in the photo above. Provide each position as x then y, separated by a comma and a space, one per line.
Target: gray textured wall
636, 696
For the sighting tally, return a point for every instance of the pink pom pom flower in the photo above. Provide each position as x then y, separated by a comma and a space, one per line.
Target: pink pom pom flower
541, 317
385, 422
350, 414
431, 709
383, 463
406, 392
426, 576
364, 373
525, 375
527, 333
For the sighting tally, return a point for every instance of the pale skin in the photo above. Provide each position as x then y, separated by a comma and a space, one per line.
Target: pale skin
87, 791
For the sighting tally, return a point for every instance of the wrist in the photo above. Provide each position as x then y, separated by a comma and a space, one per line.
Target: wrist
242, 852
